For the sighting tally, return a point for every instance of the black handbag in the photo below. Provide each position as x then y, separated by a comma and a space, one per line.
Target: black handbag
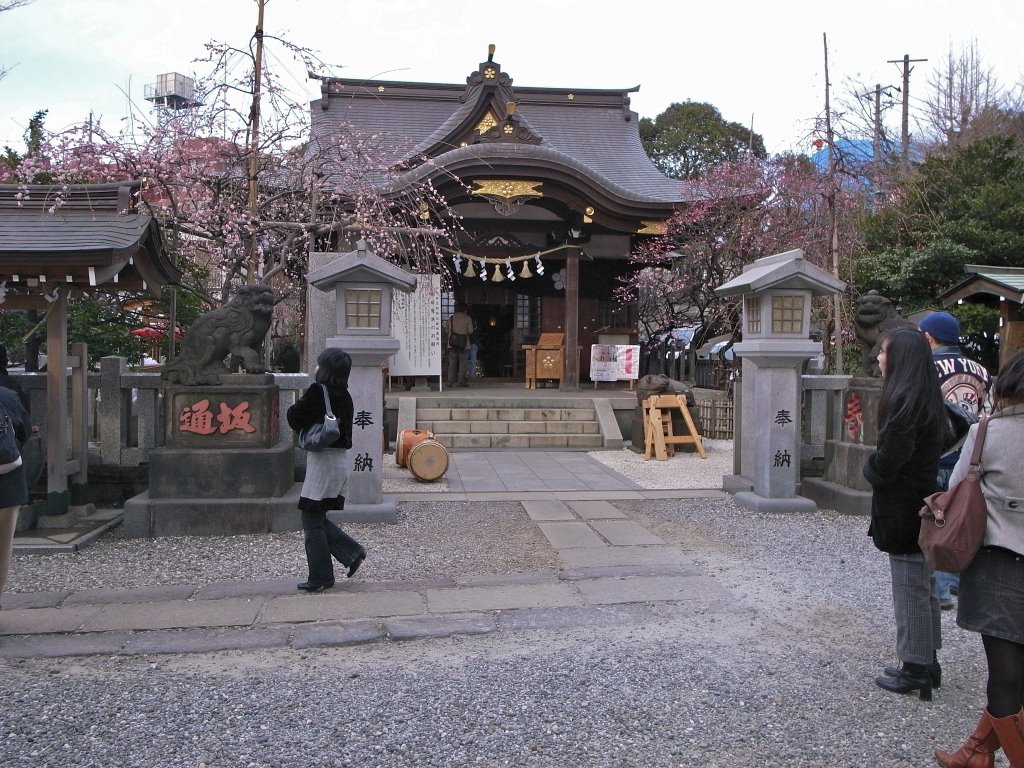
318, 437
10, 451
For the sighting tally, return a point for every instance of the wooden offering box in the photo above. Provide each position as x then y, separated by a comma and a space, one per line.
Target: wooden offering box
545, 359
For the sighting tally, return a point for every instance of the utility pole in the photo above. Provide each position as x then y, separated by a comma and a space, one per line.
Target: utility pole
837, 298
906, 61
254, 145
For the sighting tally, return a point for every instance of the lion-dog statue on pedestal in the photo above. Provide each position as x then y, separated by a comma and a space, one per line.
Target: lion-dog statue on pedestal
237, 329
875, 315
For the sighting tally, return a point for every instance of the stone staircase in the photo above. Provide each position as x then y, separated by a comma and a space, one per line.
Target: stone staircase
475, 423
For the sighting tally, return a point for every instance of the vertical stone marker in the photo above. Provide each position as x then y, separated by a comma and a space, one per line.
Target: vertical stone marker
777, 292
363, 284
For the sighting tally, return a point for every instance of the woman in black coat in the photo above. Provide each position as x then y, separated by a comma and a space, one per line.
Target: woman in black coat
13, 487
323, 489
912, 430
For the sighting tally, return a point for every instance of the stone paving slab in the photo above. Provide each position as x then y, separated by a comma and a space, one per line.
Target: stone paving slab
218, 590
493, 579
571, 536
595, 510
346, 633
44, 621
173, 614
548, 510
15, 600
207, 641
422, 627
625, 532
57, 646
621, 571
106, 596
610, 556
332, 605
638, 589
501, 598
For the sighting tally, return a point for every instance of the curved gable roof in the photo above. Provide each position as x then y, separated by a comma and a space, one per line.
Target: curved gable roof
427, 126
90, 237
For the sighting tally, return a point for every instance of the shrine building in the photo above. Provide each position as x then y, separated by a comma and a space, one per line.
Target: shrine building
554, 190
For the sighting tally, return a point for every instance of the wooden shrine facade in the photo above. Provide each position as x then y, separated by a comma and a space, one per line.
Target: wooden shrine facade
552, 186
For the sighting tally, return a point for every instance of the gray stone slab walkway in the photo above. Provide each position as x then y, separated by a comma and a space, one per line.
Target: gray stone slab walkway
611, 569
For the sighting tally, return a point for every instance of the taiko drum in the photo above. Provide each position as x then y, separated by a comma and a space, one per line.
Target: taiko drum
428, 460
407, 438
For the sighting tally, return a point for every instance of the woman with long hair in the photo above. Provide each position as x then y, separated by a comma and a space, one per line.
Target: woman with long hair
912, 430
323, 489
991, 599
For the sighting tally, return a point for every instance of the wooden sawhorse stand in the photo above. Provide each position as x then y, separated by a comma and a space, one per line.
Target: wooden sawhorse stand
659, 438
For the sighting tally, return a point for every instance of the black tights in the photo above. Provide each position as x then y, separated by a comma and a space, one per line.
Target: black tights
1005, 676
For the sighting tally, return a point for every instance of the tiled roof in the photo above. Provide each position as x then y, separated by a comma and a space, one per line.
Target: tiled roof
1005, 282
91, 237
591, 130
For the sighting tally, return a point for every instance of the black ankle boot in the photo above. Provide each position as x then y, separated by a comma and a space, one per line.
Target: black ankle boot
909, 678
933, 669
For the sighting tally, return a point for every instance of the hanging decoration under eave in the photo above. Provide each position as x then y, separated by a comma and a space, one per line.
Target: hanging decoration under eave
476, 266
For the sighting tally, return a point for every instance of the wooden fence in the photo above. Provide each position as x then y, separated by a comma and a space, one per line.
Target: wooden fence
717, 418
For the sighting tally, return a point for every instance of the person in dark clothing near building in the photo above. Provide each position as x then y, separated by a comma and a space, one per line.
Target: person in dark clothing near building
323, 489
8, 381
458, 330
964, 383
13, 486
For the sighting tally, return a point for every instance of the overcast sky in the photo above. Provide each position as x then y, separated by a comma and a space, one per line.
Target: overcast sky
760, 60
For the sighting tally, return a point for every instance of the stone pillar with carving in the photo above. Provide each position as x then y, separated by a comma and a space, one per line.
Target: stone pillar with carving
362, 284
224, 468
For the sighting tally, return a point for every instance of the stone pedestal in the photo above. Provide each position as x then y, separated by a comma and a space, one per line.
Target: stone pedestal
224, 468
844, 488
771, 393
364, 499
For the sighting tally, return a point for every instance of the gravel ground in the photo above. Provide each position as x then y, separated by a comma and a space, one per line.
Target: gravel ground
783, 678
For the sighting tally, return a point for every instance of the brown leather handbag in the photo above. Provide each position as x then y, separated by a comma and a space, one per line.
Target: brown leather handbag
953, 522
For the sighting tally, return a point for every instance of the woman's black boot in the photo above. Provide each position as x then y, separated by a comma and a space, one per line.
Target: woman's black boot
909, 678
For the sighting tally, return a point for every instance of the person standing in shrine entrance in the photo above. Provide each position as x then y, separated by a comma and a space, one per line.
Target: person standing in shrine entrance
458, 330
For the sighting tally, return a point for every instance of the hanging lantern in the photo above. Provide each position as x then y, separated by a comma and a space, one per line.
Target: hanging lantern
525, 271
470, 272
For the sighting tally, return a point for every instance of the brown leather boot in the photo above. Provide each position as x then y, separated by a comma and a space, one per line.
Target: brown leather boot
977, 752
1010, 732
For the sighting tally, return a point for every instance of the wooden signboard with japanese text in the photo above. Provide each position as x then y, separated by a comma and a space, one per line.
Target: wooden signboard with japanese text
416, 323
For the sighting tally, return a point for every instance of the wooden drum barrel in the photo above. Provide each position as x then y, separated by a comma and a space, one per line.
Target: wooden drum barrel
407, 438
428, 460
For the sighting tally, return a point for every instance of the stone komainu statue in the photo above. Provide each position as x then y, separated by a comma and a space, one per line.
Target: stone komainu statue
875, 315
238, 329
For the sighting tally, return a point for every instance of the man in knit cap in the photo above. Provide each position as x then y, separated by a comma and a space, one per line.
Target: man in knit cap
965, 383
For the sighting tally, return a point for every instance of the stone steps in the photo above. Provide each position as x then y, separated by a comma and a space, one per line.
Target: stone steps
517, 424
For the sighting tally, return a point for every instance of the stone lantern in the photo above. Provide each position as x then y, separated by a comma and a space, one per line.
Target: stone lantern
777, 292
363, 285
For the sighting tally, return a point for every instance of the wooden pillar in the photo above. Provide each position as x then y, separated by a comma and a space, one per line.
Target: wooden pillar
571, 379
57, 405
78, 468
